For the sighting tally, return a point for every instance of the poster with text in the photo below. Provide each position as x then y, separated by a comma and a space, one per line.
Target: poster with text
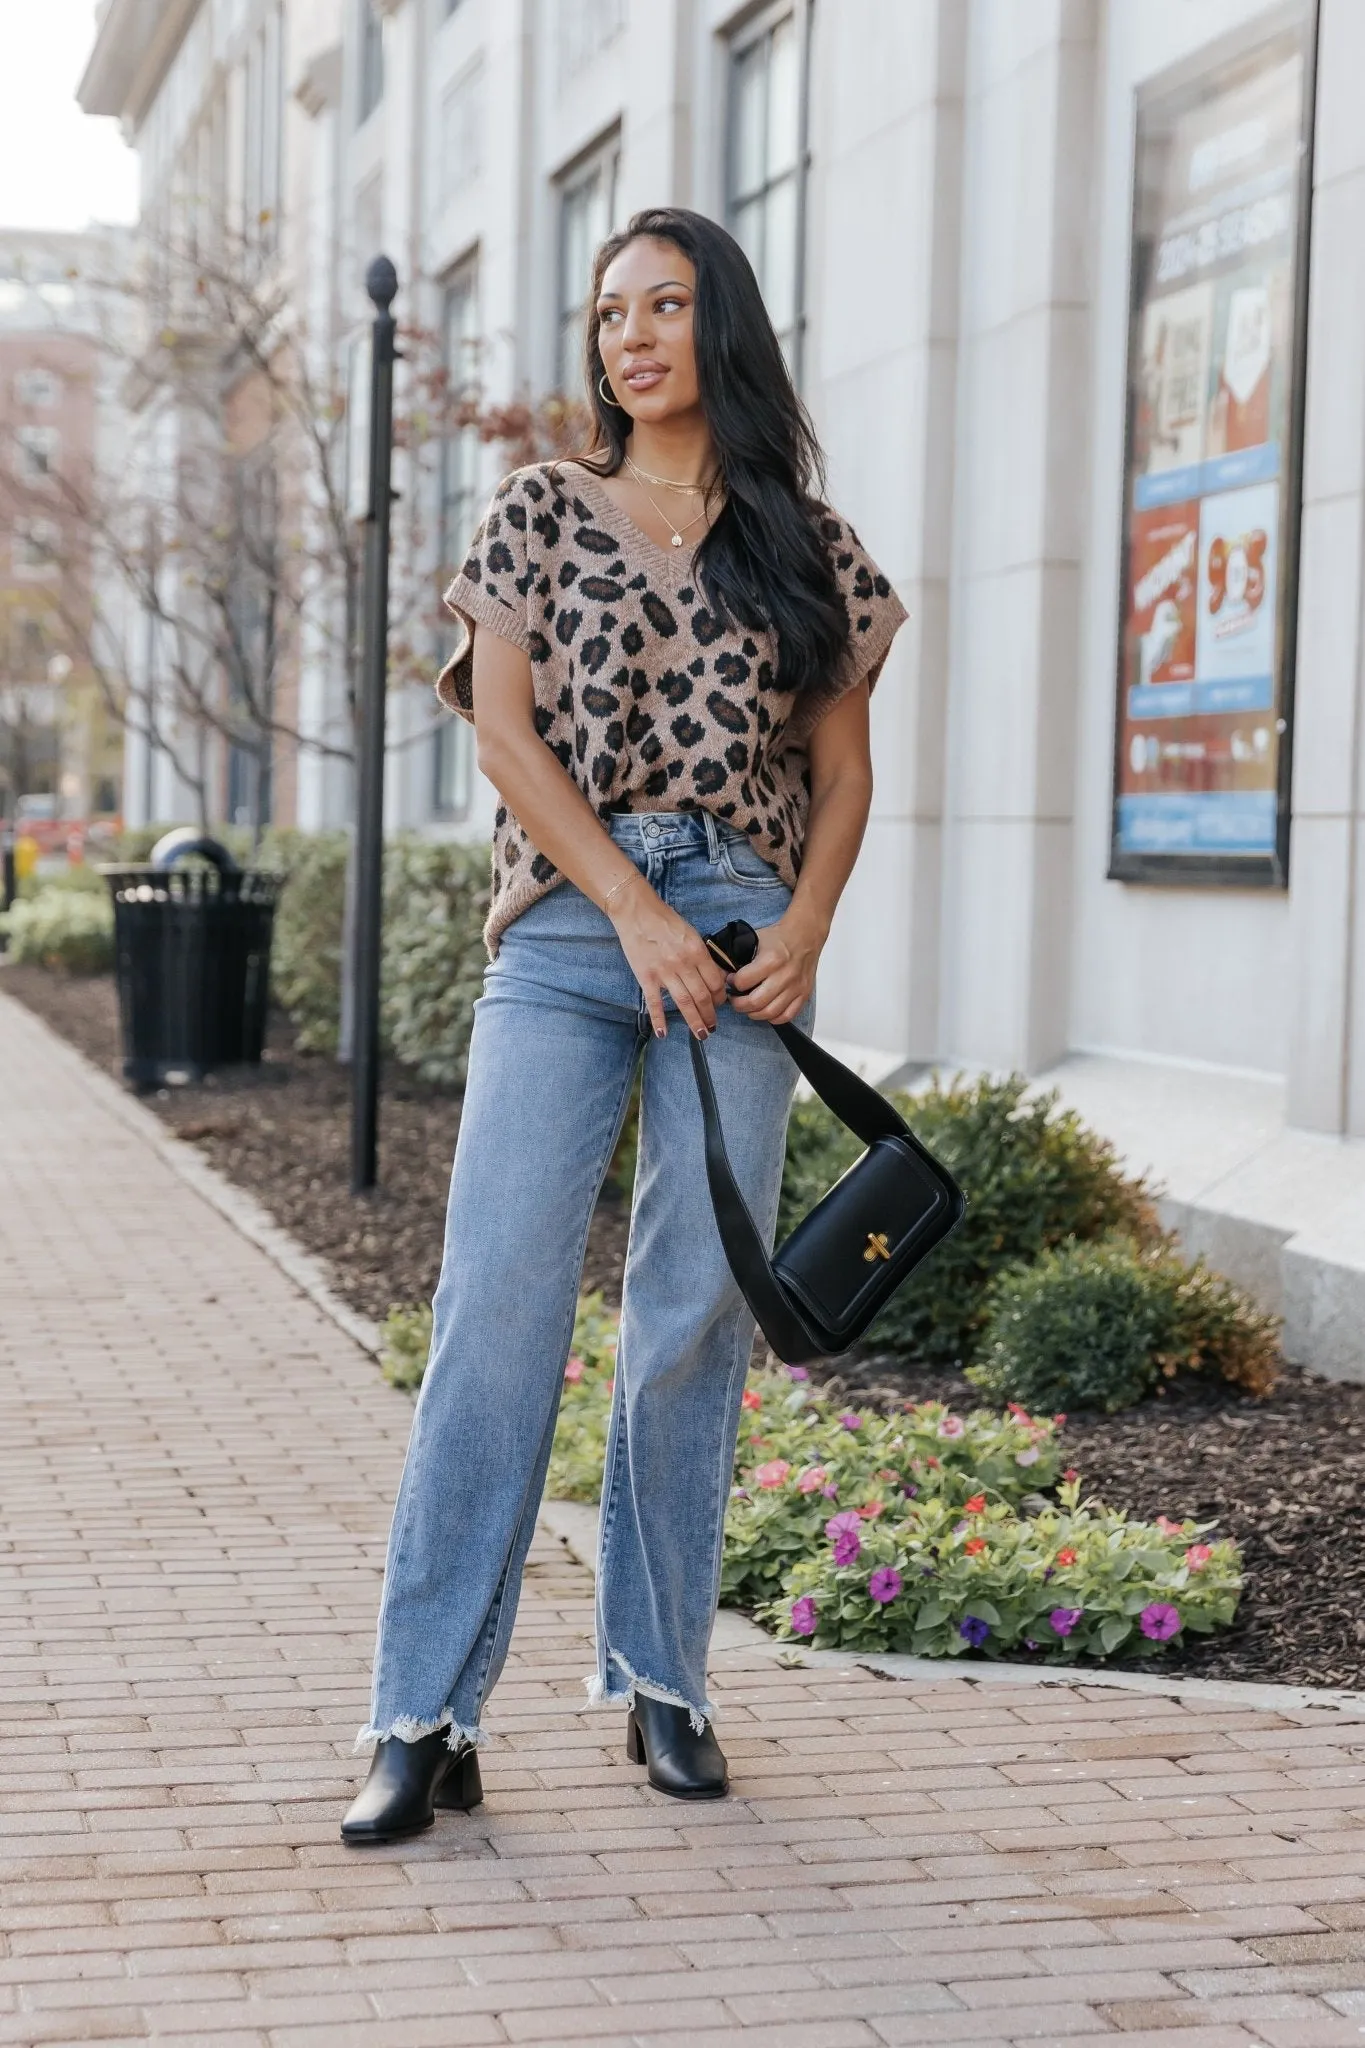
1210, 479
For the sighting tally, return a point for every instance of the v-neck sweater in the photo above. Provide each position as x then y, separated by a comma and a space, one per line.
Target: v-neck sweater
647, 699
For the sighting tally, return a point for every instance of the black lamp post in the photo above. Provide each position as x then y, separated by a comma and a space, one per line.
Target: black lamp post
381, 282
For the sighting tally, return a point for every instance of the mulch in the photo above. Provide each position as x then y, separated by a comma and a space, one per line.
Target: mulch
1282, 1476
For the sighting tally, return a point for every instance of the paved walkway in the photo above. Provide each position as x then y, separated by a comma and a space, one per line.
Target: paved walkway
195, 1468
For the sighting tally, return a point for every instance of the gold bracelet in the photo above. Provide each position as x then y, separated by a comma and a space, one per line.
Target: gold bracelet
617, 887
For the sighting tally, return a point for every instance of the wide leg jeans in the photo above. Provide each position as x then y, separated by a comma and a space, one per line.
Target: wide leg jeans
559, 1033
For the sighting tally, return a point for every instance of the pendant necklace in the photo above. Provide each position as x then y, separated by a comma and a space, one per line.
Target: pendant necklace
675, 537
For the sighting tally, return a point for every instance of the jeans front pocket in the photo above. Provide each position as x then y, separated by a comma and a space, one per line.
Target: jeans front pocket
740, 863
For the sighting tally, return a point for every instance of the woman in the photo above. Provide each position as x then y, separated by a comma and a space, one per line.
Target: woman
668, 650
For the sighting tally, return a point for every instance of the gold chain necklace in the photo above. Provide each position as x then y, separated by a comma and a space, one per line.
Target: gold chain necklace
647, 476
675, 536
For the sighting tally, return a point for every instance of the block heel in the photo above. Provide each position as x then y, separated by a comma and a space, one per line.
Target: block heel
462, 1787
682, 1762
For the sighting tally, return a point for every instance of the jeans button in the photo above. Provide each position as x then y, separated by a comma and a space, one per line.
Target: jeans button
651, 830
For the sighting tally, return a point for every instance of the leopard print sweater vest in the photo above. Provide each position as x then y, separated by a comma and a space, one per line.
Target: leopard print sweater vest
647, 699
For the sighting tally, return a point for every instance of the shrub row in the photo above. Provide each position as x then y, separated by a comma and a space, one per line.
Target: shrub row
924, 1531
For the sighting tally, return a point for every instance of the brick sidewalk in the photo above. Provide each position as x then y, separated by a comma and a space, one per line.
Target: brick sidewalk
195, 1471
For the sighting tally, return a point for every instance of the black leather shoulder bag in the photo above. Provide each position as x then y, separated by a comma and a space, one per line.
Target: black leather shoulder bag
828, 1281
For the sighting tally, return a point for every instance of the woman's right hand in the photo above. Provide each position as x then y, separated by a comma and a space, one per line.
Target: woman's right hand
667, 956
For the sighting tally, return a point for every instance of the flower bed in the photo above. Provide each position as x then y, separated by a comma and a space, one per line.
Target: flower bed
922, 1530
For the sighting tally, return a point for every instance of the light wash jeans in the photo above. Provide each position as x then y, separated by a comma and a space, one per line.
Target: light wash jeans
558, 1034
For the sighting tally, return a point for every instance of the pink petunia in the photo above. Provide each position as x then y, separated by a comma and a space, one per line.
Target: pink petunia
1168, 1527
811, 1478
803, 1616
1198, 1555
1159, 1622
773, 1473
751, 1398
953, 1426
843, 1524
871, 1509
574, 1370
884, 1585
1028, 1457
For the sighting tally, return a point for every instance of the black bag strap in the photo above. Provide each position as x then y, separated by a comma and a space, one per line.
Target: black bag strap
777, 1315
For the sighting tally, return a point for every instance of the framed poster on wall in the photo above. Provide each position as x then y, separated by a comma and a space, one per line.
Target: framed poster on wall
1216, 346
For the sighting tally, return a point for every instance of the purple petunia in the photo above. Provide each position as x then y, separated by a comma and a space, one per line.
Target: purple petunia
1159, 1622
803, 1616
847, 1548
973, 1630
1063, 1619
846, 1523
884, 1585
831, 1491
797, 1372
851, 1421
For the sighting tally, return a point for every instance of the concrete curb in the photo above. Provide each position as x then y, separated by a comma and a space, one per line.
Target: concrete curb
736, 1640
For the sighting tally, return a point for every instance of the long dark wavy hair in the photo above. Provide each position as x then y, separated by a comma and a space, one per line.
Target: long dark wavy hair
764, 564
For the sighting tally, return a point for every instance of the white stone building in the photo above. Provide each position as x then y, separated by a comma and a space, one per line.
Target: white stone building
938, 195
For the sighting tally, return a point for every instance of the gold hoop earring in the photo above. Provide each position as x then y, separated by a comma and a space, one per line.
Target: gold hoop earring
608, 397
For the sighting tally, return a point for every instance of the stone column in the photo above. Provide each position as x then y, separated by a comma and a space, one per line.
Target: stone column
881, 366
1326, 1070
1018, 527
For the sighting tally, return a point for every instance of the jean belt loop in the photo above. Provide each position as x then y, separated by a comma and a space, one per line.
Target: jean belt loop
712, 838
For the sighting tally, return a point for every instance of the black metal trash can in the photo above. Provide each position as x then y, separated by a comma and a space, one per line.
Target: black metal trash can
192, 957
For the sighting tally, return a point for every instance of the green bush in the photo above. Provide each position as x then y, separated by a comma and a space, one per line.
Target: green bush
1097, 1325
305, 963
1072, 1580
64, 928
580, 1445
405, 1337
436, 898
1033, 1175
80, 880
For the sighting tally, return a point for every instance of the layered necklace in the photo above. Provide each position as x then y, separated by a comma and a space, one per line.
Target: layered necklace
645, 477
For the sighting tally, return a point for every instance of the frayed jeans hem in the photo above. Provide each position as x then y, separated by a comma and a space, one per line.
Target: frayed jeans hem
406, 1728
602, 1694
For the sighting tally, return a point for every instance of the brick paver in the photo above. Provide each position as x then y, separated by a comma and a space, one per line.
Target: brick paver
195, 1472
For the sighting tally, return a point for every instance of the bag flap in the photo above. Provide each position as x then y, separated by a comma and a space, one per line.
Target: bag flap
860, 1238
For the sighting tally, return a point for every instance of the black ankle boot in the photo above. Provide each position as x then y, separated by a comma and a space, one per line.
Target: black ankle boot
681, 1762
407, 1781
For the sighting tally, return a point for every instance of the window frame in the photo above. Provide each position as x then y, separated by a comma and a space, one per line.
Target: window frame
738, 42
369, 94
585, 169
452, 764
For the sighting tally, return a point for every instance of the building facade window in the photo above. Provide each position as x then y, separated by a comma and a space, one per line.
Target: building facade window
585, 27
38, 390
371, 68
453, 779
263, 108
36, 453
763, 181
462, 132
36, 542
587, 215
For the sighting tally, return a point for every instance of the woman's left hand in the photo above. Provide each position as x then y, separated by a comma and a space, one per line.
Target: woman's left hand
777, 984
